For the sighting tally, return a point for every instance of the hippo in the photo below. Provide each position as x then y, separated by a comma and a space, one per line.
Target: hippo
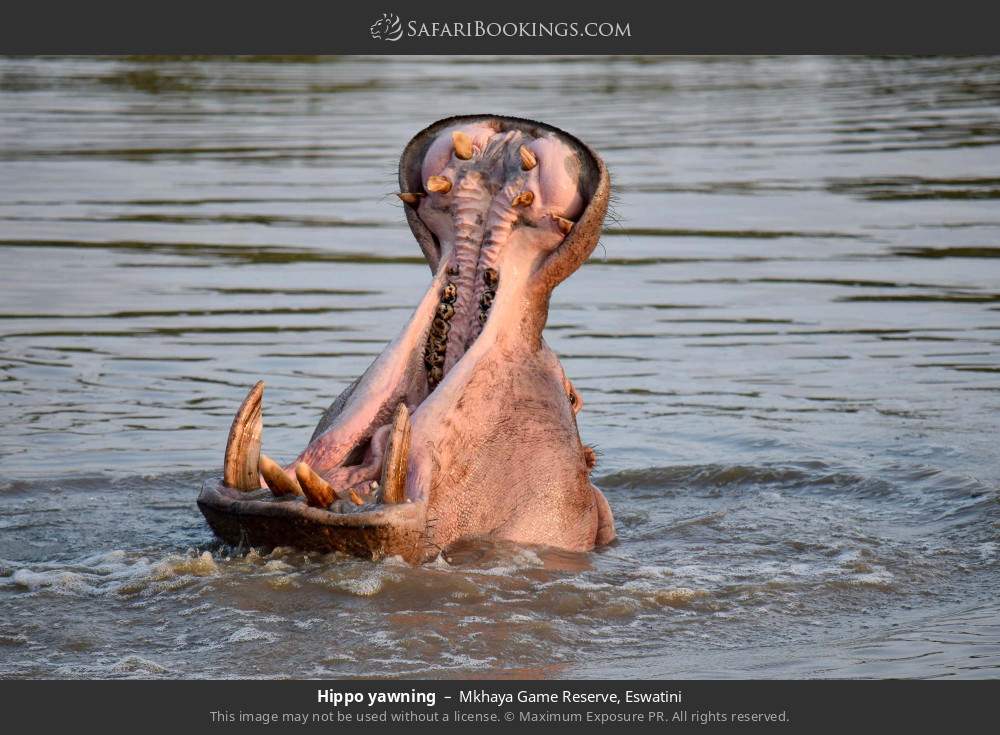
464, 427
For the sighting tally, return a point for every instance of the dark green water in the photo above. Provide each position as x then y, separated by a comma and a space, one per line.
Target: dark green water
788, 346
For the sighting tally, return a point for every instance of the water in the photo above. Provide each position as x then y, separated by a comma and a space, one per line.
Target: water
787, 346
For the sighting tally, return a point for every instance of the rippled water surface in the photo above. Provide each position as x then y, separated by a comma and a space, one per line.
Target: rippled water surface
787, 345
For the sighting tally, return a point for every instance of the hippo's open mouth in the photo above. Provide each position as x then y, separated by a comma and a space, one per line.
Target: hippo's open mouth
464, 426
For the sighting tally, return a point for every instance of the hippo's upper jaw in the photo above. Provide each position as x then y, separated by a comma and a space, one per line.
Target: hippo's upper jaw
465, 425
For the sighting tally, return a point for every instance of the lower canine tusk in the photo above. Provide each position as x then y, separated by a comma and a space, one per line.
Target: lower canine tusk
276, 479
318, 491
240, 470
397, 453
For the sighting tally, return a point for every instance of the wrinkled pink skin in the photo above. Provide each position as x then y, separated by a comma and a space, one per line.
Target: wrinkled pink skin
494, 449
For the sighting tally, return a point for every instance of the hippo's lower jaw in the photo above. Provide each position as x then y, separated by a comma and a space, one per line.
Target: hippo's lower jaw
465, 425
256, 518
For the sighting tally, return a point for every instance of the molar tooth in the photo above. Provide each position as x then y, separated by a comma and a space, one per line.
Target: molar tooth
397, 451
410, 198
446, 311
318, 491
449, 293
241, 468
463, 145
435, 374
440, 184
439, 327
524, 199
486, 300
491, 278
528, 160
276, 479
564, 225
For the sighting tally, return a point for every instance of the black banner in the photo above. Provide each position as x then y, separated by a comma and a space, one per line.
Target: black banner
451, 706
298, 27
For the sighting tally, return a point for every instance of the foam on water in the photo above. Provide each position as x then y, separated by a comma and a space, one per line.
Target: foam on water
250, 633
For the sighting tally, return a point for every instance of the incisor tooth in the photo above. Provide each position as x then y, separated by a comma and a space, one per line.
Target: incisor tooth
355, 498
397, 451
409, 197
528, 160
318, 491
564, 225
276, 479
524, 199
463, 145
439, 184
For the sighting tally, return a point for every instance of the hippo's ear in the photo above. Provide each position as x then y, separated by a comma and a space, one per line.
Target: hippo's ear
580, 241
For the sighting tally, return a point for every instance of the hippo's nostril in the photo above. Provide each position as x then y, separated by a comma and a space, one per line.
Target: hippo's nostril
524, 199
439, 184
462, 144
528, 160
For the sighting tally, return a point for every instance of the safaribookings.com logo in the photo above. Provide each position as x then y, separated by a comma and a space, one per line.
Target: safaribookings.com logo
387, 28
390, 28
